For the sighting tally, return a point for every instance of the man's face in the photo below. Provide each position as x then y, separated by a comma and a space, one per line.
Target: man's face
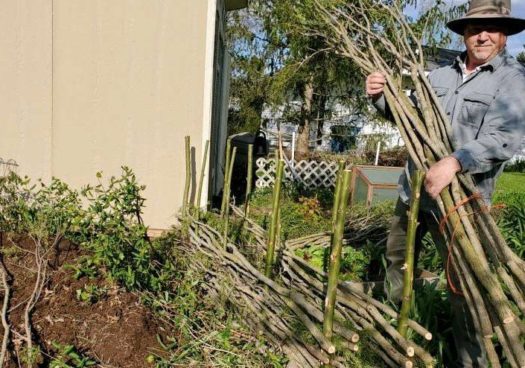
483, 42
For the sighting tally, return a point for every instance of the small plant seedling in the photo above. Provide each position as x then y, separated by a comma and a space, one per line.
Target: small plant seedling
69, 357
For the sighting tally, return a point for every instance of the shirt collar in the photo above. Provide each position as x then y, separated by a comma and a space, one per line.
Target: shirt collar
492, 64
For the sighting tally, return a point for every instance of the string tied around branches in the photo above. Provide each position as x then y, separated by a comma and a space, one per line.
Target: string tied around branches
449, 267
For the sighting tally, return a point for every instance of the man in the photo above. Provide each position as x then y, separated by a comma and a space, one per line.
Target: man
483, 94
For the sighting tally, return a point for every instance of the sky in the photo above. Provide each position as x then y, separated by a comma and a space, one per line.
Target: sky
514, 43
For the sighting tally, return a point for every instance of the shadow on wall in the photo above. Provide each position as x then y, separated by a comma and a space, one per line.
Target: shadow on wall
7, 166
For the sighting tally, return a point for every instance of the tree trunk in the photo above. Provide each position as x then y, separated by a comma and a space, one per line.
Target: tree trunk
321, 113
306, 117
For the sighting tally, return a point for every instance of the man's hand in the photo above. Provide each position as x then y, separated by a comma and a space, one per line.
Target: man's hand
440, 175
375, 85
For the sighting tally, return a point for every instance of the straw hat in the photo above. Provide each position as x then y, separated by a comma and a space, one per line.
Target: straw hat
490, 12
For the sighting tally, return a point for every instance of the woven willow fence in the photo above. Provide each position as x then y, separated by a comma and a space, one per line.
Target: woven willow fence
311, 174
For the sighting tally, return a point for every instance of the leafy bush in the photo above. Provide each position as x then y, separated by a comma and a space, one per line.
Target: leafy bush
297, 221
393, 157
303, 212
111, 228
45, 212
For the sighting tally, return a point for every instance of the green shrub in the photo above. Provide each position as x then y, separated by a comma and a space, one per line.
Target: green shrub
44, 212
297, 220
302, 212
354, 263
111, 228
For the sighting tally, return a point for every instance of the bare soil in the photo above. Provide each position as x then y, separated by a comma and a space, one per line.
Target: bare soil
116, 331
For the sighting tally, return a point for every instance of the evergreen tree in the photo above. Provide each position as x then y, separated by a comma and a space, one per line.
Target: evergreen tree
281, 60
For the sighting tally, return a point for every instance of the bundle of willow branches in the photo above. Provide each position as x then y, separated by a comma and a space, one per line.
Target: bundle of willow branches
377, 37
295, 296
371, 227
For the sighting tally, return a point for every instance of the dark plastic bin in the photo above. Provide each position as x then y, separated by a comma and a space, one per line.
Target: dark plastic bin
260, 149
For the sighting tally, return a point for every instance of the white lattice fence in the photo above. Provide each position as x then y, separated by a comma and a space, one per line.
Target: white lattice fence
311, 174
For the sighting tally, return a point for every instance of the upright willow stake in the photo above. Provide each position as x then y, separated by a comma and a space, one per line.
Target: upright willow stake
249, 178
185, 199
201, 178
408, 276
227, 190
337, 197
274, 225
226, 169
337, 192
335, 255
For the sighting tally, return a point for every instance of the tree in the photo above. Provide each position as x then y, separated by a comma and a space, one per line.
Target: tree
253, 63
521, 56
281, 60
278, 63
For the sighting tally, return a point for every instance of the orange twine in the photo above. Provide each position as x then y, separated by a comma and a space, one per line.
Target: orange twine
442, 223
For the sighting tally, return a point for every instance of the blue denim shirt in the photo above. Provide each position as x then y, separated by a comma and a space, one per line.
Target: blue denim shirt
487, 113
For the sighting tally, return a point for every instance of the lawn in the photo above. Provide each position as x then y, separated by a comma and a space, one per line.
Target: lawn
511, 182
509, 187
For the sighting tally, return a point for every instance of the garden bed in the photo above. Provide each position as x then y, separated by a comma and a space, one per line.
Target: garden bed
92, 318
120, 299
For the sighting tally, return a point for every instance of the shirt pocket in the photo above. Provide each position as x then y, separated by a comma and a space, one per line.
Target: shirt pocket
441, 92
474, 109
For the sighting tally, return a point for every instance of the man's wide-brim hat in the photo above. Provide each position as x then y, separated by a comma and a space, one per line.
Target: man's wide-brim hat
489, 12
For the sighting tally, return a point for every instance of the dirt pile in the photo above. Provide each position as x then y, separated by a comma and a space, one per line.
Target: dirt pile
101, 320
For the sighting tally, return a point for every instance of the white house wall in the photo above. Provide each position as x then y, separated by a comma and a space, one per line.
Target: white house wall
26, 84
91, 85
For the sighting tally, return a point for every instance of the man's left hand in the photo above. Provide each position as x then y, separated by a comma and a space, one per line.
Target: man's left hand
440, 175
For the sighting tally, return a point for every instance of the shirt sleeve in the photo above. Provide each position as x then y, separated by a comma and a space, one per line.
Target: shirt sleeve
501, 134
380, 104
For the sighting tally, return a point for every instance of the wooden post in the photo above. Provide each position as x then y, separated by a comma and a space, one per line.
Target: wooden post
337, 193
335, 256
203, 171
227, 190
249, 179
226, 170
335, 207
408, 275
274, 226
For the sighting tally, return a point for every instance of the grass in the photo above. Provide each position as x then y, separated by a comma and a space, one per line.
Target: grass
510, 182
